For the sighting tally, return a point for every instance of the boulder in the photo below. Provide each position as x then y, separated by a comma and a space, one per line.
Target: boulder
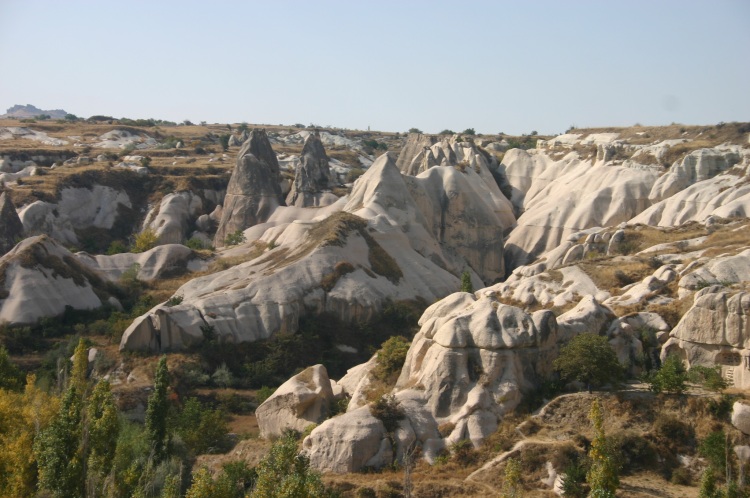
302, 400
11, 228
174, 215
741, 417
348, 443
588, 317
312, 177
254, 190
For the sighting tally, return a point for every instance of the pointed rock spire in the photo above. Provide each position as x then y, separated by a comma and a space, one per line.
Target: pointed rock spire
313, 175
11, 227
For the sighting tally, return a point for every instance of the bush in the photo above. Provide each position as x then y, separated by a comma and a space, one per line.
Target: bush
671, 377
415, 130
388, 410
235, 238
391, 358
469, 131
681, 476
197, 244
466, 285
202, 429
283, 473
117, 247
223, 377
589, 358
710, 378
263, 394
463, 453
174, 300
447, 132
714, 450
145, 240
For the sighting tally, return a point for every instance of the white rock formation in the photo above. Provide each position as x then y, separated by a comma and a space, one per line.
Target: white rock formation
741, 417
174, 215
302, 400
160, 262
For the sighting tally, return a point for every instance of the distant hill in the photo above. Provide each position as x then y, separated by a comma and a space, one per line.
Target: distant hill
30, 111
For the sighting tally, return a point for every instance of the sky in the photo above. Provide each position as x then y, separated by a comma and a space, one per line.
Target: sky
495, 66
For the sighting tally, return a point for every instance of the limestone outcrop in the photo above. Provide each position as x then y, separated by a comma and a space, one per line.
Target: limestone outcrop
40, 278
302, 400
254, 190
312, 179
11, 228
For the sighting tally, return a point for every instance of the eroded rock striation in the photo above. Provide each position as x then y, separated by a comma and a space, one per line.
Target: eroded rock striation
312, 179
11, 228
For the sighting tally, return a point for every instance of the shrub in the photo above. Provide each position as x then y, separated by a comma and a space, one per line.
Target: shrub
235, 238
574, 480
145, 240
681, 476
671, 377
197, 244
174, 300
391, 358
469, 131
415, 130
589, 358
117, 247
222, 376
388, 410
284, 473
447, 132
466, 285
722, 407
263, 394
202, 429
710, 378
714, 450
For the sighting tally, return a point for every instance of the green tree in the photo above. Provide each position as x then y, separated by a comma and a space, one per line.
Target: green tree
710, 378
415, 130
466, 285
224, 141
671, 377
201, 429
589, 358
103, 431
469, 131
235, 238
512, 480
156, 412
10, 376
58, 450
283, 473
79, 373
602, 475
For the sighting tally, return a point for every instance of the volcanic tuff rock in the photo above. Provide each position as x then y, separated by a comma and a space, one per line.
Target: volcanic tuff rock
160, 262
407, 238
312, 177
11, 227
177, 211
302, 400
254, 190
415, 143
40, 278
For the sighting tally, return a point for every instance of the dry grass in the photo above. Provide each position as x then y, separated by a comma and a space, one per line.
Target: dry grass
609, 274
735, 133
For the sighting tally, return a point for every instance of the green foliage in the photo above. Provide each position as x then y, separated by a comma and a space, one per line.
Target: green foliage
263, 394
145, 240
602, 475
145, 161
197, 244
202, 429
589, 358
353, 174
714, 450
708, 485
103, 429
174, 300
710, 378
721, 408
512, 479
235, 238
117, 247
574, 480
156, 412
224, 141
466, 285
79, 372
415, 130
447, 132
388, 410
10, 376
222, 376
283, 473
58, 450
469, 131
391, 358
671, 377
71, 117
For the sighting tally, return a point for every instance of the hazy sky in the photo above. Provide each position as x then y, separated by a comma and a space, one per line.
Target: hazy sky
496, 66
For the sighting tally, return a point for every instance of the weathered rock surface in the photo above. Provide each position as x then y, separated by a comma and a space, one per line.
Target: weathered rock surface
720, 271
11, 228
415, 144
160, 262
716, 331
40, 278
741, 417
302, 400
77, 208
177, 211
254, 190
313, 177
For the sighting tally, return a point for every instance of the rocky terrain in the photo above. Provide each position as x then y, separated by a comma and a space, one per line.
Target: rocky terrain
212, 236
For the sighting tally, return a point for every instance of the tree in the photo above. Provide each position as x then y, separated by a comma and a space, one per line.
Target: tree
466, 285
145, 240
512, 479
602, 475
10, 376
103, 431
242, 127
447, 132
79, 373
71, 117
589, 358
235, 238
156, 412
58, 450
671, 377
469, 131
415, 130
224, 141
200, 428
283, 473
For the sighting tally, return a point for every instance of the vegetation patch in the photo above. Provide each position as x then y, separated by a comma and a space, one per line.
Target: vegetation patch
329, 280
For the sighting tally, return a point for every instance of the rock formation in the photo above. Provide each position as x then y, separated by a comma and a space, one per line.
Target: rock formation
415, 144
302, 400
312, 178
162, 261
40, 278
11, 228
254, 190
178, 211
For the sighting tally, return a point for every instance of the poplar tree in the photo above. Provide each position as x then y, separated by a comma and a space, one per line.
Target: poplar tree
156, 412
103, 431
602, 475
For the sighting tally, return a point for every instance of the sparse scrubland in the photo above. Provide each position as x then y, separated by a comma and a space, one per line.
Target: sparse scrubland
494, 315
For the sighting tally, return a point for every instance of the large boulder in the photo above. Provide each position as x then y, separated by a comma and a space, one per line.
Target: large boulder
302, 400
348, 443
313, 176
741, 417
174, 215
254, 190
11, 228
